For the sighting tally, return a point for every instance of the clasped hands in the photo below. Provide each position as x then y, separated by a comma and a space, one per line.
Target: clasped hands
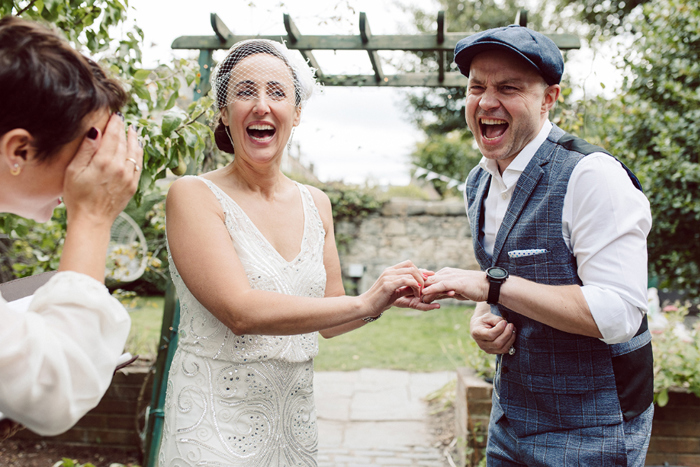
446, 283
491, 332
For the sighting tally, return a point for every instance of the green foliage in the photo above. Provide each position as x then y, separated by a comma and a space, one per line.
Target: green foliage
36, 247
447, 154
146, 320
602, 19
657, 134
351, 203
676, 356
172, 131
406, 191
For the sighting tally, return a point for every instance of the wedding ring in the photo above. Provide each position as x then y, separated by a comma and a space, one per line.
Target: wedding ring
133, 161
511, 351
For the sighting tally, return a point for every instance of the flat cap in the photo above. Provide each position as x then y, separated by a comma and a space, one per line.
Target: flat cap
536, 48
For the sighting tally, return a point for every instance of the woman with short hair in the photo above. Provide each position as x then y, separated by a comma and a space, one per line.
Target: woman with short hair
62, 139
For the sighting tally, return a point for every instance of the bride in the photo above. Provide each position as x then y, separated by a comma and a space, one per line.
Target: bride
254, 261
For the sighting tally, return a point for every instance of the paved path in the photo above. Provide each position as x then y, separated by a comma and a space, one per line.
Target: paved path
376, 418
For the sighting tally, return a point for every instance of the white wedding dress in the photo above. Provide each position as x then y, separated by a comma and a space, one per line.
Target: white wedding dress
246, 400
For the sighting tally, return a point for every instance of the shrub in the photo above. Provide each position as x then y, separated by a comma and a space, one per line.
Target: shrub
676, 356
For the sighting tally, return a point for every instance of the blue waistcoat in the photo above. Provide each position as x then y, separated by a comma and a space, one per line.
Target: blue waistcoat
555, 380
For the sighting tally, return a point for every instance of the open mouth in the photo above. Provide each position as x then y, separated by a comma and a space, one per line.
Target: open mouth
261, 132
492, 128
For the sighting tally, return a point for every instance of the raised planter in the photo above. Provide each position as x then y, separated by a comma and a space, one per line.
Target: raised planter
675, 434
472, 410
116, 420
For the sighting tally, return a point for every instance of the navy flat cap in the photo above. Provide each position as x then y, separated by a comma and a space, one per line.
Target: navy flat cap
536, 48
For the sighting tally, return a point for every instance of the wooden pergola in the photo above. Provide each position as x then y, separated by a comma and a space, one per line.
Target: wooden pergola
441, 43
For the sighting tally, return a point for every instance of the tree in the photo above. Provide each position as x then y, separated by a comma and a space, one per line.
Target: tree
602, 19
658, 134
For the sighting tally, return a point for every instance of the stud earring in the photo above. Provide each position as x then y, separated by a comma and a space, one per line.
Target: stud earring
15, 170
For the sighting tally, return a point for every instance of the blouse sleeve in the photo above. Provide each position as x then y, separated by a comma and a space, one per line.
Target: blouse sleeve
57, 358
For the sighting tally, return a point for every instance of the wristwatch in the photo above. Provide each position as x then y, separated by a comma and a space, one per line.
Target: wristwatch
496, 276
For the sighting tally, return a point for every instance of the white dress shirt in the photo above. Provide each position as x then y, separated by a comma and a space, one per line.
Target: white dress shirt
605, 222
57, 357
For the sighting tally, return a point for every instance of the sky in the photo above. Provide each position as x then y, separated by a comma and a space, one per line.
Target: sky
355, 135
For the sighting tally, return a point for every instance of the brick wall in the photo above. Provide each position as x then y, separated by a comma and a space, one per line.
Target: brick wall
675, 435
116, 420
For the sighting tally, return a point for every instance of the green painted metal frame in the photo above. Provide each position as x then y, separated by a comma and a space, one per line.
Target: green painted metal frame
166, 351
442, 43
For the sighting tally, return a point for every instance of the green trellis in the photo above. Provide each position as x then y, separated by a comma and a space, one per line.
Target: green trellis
441, 43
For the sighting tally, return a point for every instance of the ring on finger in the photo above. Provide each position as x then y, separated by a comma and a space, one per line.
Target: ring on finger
133, 161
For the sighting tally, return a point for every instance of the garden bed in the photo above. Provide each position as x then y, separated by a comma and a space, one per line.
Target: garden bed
675, 435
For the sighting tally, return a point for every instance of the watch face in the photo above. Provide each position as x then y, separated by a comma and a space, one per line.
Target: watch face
497, 273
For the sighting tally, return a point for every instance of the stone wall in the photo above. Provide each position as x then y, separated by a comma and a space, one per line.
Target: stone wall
432, 234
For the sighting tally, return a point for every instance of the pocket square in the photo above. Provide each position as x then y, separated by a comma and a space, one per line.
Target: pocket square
521, 253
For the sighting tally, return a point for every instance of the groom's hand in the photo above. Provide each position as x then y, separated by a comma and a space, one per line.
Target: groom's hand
456, 283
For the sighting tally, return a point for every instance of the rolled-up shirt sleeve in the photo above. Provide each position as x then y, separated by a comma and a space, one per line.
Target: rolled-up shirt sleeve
57, 358
606, 221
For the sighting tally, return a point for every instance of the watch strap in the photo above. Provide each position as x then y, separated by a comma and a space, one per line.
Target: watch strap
494, 291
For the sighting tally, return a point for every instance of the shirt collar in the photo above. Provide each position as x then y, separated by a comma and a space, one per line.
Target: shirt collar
515, 168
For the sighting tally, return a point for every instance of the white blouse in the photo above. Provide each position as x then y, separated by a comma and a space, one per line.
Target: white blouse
57, 358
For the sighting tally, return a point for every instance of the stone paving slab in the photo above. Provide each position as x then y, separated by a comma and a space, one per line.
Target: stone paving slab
376, 418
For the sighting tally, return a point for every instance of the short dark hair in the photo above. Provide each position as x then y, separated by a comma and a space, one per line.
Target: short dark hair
48, 88
223, 142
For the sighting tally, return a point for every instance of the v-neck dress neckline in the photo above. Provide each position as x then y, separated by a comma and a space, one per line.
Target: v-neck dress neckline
254, 228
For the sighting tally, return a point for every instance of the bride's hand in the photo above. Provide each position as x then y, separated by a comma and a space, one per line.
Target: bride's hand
397, 281
411, 301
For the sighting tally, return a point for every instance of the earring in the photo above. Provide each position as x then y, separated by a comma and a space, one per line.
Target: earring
229, 135
289, 143
15, 170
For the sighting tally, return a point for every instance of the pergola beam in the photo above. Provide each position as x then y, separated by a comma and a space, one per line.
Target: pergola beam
521, 18
294, 35
366, 35
440, 40
407, 80
409, 43
220, 29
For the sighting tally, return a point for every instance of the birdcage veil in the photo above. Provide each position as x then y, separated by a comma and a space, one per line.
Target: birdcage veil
235, 78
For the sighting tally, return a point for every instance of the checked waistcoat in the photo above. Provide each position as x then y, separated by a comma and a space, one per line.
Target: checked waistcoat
555, 380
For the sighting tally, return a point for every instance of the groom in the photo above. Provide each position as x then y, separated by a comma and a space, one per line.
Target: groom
559, 229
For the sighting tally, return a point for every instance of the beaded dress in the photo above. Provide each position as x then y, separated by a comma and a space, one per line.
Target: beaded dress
246, 400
